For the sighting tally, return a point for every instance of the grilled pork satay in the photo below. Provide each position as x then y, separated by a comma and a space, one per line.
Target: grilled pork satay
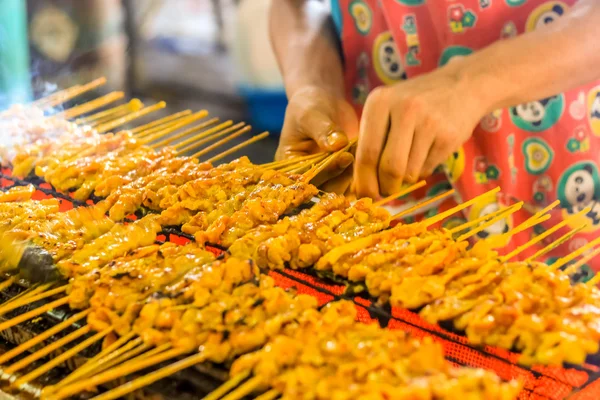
150, 190
225, 321
115, 243
61, 233
83, 154
15, 213
116, 292
311, 234
25, 158
17, 194
276, 194
140, 163
532, 308
328, 354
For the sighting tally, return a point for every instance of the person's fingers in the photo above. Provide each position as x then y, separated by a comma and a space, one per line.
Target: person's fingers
392, 166
420, 149
437, 155
372, 136
336, 168
339, 184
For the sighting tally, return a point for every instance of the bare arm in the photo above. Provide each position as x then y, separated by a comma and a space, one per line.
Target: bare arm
557, 57
303, 38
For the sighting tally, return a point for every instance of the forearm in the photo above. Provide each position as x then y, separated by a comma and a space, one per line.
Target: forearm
555, 58
304, 42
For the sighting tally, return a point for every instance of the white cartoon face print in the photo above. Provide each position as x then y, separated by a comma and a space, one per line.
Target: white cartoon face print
497, 228
580, 188
532, 112
549, 16
389, 60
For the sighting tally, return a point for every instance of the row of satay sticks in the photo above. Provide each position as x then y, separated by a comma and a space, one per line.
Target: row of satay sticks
132, 294
358, 221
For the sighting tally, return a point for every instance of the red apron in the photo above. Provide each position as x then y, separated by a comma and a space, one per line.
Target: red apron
536, 152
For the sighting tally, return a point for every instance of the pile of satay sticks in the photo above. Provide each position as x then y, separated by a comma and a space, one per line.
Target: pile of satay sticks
147, 302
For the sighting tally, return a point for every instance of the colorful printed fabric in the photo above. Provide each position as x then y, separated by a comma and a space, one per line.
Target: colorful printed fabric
536, 152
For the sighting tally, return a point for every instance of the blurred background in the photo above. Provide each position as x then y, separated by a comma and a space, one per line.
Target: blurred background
196, 54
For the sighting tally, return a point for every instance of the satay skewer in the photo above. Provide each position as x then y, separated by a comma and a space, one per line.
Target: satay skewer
403, 192
543, 235
148, 128
182, 134
7, 283
270, 395
245, 389
207, 139
567, 259
505, 212
227, 386
90, 106
161, 132
73, 92
238, 147
9, 355
443, 215
43, 369
152, 377
573, 268
188, 141
31, 299
44, 351
33, 313
91, 120
223, 141
561, 240
110, 125
423, 203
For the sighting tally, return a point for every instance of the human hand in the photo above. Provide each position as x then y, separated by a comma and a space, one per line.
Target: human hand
410, 128
317, 121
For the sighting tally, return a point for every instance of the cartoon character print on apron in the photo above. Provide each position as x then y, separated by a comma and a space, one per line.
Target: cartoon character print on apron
537, 152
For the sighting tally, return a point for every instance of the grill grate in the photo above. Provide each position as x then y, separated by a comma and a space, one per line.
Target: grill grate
541, 382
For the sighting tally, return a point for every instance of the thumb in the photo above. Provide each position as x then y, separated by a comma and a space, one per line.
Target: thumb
321, 128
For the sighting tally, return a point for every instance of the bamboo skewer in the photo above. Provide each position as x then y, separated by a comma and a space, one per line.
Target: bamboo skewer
571, 269
567, 259
594, 281
180, 135
563, 239
169, 127
186, 142
543, 235
433, 220
92, 365
475, 222
18, 296
213, 137
91, 105
505, 213
121, 371
422, 204
7, 283
160, 133
74, 92
62, 358
142, 130
53, 96
248, 387
270, 395
19, 365
30, 299
33, 313
312, 173
108, 126
300, 166
9, 355
221, 142
151, 377
401, 193
237, 147
132, 105
227, 386
290, 161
